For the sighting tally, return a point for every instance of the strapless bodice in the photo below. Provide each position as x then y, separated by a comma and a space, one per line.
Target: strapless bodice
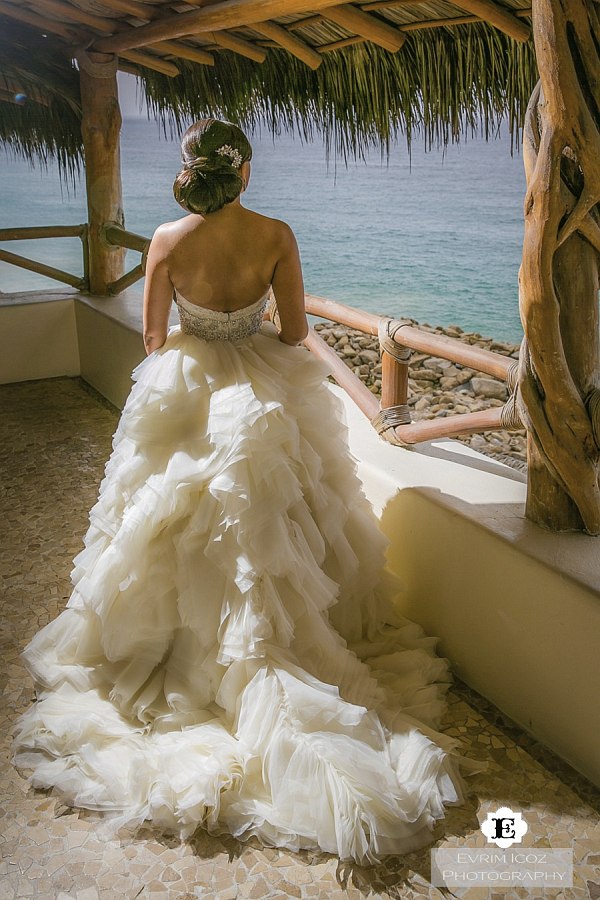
214, 325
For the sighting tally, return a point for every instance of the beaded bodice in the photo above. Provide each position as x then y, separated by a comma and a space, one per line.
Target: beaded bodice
214, 325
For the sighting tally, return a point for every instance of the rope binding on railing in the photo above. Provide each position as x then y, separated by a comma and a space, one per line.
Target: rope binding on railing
510, 418
387, 330
512, 376
387, 419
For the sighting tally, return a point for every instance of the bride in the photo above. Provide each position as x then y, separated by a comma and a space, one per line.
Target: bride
230, 655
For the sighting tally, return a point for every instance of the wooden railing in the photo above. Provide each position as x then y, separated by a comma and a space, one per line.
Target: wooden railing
119, 237
391, 416
47, 231
113, 234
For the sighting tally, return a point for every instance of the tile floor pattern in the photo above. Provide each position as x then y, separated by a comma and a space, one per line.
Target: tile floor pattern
56, 437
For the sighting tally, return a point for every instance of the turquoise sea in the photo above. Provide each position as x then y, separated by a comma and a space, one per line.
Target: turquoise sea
435, 236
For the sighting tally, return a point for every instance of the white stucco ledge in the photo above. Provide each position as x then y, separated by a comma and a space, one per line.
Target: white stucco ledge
472, 485
125, 308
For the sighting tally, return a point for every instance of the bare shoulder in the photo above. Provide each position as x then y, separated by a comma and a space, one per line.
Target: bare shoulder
285, 233
278, 232
169, 233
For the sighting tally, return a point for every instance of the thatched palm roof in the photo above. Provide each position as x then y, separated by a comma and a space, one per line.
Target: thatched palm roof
358, 74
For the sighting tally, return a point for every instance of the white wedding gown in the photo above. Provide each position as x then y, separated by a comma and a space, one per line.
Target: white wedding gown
230, 655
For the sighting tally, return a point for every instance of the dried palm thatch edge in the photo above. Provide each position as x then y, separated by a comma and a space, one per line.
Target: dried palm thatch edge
443, 86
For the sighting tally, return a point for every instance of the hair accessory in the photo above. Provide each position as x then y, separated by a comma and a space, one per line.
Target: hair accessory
234, 155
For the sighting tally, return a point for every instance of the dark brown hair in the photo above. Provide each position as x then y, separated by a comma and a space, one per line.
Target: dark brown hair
212, 152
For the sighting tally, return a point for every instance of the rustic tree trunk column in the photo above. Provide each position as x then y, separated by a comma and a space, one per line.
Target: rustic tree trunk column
559, 367
101, 126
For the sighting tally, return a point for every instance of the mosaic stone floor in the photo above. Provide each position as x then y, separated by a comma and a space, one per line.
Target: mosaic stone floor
55, 438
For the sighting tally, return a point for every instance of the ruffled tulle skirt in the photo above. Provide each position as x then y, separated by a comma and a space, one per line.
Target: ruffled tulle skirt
230, 655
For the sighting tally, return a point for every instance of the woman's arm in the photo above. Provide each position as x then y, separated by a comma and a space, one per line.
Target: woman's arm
158, 292
288, 288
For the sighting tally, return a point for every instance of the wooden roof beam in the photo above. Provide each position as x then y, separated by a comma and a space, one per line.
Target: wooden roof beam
389, 4
181, 51
364, 7
303, 23
124, 66
229, 41
30, 18
132, 8
497, 16
289, 42
184, 51
74, 14
227, 14
142, 11
445, 23
151, 62
405, 26
368, 27
339, 45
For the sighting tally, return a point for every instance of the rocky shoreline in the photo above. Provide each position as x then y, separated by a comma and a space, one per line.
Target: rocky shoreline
438, 387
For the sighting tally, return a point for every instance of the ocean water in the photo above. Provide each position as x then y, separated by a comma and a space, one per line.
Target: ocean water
435, 236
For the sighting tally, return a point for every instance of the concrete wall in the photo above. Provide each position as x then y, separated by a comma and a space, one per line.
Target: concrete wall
39, 336
109, 349
516, 630
46, 334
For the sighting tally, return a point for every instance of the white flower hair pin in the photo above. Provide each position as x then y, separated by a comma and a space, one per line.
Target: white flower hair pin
234, 155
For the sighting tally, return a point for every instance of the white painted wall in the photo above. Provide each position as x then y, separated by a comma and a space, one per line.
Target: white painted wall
39, 337
109, 350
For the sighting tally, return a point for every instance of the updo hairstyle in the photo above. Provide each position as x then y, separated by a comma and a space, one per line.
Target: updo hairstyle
212, 153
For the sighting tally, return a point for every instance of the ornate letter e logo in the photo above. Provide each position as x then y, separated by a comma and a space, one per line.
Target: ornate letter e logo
504, 827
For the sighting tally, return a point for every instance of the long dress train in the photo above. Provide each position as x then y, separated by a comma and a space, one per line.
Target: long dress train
230, 655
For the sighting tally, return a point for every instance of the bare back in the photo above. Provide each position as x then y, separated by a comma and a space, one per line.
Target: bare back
224, 261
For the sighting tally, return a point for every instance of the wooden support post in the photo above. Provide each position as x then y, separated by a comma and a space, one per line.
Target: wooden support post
394, 381
100, 127
394, 409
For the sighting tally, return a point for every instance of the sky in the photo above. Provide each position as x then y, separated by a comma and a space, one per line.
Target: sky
128, 96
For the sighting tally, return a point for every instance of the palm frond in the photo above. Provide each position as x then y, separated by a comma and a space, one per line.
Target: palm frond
48, 125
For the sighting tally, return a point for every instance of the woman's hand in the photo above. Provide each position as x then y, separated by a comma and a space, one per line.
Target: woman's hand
158, 291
